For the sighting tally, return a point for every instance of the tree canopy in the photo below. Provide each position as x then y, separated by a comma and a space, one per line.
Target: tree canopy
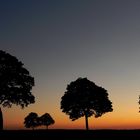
31, 121
46, 120
84, 98
15, 82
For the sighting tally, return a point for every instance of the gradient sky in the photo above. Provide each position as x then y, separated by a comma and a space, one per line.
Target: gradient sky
61, 40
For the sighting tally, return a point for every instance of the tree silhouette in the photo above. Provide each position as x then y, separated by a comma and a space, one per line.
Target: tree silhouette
46, 120
15, 83
84, 98
1, 120
139, 103
32, 120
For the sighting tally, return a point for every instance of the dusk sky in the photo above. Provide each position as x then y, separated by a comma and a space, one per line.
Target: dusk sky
61, 40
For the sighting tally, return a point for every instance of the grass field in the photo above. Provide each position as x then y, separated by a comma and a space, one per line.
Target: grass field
68, 134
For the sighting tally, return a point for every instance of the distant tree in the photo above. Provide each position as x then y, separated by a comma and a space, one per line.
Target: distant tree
84, 98
46, 120
32, 120
15, 83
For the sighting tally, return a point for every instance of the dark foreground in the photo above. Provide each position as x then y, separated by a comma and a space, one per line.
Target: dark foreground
68, 134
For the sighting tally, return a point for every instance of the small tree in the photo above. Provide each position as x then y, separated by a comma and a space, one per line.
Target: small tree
32, 120
15, 83
84, 98
46, 120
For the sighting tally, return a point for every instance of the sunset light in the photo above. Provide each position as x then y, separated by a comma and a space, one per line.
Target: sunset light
59, 41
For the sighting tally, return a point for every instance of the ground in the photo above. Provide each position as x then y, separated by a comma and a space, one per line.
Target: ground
68, 134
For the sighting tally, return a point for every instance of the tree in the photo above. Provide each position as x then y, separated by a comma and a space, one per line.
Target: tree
1, 120
15, 83
32, 120
84, 98
46, 120
139, 103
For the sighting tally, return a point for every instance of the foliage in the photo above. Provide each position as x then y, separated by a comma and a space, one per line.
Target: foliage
15, 82
46, 120
31, 120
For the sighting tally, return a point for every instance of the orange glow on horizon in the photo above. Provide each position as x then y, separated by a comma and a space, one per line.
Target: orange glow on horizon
107, 121
120, 118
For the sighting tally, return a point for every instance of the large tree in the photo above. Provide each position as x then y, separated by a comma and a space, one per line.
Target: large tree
15, 83
84, 98
46, 120
31, 120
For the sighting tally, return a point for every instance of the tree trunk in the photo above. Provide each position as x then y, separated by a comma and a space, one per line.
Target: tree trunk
47, 127
86, 119
1, 120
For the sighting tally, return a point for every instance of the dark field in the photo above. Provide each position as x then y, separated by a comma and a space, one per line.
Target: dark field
68, 134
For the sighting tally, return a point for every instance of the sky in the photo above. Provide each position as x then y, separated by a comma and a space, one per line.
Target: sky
61, 40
